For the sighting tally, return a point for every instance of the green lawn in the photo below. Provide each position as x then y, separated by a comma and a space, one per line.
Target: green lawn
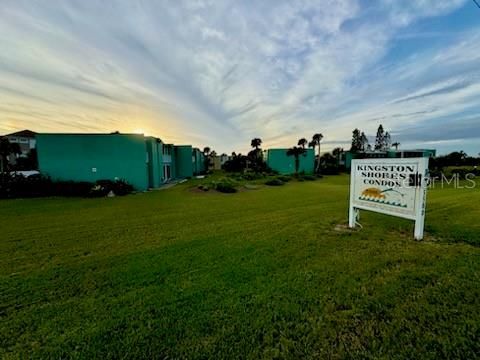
257, 274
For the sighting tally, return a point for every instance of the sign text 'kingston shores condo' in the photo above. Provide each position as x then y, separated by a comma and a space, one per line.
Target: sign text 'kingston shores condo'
396, 187
144, 162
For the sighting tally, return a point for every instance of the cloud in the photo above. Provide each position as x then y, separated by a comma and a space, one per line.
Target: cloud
219, 73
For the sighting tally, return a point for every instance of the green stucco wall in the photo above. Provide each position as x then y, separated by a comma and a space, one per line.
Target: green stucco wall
183, 161
198, 162
155, 164
92, 157
278, 160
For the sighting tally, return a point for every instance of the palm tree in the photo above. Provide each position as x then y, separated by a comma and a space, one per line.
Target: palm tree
396, 145
302, 142
316, 140
256, 143
296, 151
206, 153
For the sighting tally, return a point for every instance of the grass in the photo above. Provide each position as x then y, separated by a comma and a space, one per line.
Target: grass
257, 274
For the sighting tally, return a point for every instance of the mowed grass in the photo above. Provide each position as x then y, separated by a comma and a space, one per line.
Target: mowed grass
263, 273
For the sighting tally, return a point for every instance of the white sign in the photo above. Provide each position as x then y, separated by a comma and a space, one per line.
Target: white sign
396, 187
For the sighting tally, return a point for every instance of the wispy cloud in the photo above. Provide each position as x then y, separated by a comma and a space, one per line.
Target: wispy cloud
220, 73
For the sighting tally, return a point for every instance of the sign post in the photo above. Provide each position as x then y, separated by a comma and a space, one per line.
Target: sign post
396, 187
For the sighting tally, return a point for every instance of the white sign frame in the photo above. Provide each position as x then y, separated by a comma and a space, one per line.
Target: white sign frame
413, 209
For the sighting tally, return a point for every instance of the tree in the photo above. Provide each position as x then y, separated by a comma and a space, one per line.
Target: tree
396, 145
206, 153
28, 162
387, 141
337, 153
255, 156
364, 145
237, 163
316, 141
302, 142
329, 160
356, 141
380, 139
256, 143
296, 151
7, 149
329, 163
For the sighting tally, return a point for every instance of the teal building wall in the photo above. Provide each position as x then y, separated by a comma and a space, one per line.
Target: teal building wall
92, 157
168, 159
154, 161
183, 161
198, 161
278, 160
139, 160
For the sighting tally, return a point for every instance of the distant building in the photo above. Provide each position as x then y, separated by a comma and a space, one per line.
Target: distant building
217, 161
26, 139
144, 162
278, 160
348, 156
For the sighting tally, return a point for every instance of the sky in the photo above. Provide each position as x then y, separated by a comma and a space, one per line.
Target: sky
219, 73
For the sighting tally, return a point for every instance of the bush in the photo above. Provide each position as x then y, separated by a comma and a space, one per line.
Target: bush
16, 186
203, 187
331, 170
309, 177
104, 187
226, 187
253, 176
284, 178
71, 189
19, 186
274, 182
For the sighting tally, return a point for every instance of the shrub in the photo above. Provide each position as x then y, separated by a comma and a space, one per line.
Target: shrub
331, 170
309, 177
71, 189
253, 176
284, 178
19, 186
104, 187
226, 187
121, 188
274, 182
203, 187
